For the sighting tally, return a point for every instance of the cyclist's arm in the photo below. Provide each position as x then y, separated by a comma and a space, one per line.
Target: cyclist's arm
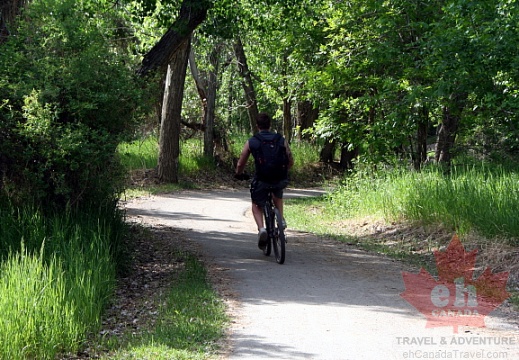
242, 161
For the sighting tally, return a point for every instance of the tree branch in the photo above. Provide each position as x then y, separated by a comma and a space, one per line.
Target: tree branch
192, 13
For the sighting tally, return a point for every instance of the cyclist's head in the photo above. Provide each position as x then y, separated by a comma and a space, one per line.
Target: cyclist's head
263, 121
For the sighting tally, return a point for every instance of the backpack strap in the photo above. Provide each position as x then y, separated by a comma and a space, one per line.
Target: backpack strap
277, 137
258, 136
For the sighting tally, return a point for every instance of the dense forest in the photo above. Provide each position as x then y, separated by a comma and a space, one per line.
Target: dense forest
371, 81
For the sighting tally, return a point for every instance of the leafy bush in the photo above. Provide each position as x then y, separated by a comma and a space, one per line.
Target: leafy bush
66, 100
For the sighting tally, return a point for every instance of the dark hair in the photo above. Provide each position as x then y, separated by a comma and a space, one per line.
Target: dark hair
263, 121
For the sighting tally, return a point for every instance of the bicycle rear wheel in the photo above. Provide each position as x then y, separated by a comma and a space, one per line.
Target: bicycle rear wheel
279, 239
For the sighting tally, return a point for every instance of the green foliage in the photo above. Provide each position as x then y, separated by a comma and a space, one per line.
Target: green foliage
69, 97
379, 69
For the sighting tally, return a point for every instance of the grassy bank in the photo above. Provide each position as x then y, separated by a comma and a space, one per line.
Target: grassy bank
475, 199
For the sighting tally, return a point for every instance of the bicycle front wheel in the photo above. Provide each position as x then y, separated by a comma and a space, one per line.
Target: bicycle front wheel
279, 239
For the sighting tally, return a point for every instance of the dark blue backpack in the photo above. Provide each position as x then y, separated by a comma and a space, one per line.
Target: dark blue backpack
270, 158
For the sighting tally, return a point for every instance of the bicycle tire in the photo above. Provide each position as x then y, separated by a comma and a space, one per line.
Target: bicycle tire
279, 240
268, 223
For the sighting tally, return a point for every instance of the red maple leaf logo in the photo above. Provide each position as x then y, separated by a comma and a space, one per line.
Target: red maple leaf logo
455, 298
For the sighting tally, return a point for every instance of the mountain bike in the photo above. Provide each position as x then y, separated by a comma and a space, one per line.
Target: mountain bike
275, 226
275, 230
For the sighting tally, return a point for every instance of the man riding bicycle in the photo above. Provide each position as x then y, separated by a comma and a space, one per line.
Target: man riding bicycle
272, 159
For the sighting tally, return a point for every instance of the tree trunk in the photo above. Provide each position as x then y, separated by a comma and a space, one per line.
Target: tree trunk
327, 153
287, 119
420, 156
448, 129
305, 118
192, 13
348, 154
200, 84
212, 86
9, 9
169, 140
248, 86
230, 99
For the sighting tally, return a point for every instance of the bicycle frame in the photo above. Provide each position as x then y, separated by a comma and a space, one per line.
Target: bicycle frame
276, 236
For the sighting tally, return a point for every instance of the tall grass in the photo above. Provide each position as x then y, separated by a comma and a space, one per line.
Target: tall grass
469, 198
139, 154
57, 274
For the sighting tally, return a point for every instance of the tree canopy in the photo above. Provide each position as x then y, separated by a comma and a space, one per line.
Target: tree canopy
382, 79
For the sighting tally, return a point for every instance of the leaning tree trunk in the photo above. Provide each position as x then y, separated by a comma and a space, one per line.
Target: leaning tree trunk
192, 13
172, 52
169, 140
248, 86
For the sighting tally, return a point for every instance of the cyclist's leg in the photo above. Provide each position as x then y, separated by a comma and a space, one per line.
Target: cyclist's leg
278, 202
278, 195
258, 193
257, 212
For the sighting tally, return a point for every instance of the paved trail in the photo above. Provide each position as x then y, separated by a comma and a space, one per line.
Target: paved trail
328, 301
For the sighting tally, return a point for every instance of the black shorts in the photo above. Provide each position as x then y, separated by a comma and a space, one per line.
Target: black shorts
259, 190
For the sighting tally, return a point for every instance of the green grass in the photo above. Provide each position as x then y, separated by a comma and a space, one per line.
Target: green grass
139, 154
143, 154
190, 322
480, 203
56, 277
428, 208
469, 199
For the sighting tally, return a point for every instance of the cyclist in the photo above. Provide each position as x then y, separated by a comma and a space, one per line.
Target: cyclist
276, 180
